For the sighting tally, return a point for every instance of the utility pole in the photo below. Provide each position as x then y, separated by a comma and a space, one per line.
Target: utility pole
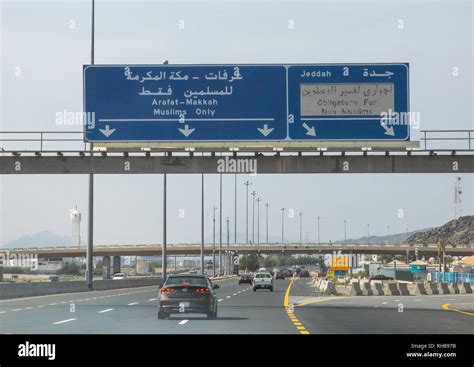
247, 184
253, 215
266, 219
282, 225
258, 220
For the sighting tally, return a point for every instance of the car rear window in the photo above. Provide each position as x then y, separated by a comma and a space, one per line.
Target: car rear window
263, 276
186, 281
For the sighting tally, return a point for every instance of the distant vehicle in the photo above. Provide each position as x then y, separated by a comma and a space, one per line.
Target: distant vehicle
54, 278
118, 276
188, 294
380, 277
193, 271
280, 275
263, 270
263, 281
245, 278
304, 273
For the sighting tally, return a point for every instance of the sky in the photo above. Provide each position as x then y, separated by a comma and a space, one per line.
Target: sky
44, 45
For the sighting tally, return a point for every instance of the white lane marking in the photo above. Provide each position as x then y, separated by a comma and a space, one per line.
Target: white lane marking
63, 321
152, 299
220, 300
28, 308
384, 303
228, 297
397, 300
17, 309
417, 300
133, 303
107, 310
183, 322
234, 294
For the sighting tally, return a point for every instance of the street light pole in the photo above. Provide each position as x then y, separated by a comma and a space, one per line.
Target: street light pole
220, 224
227, 220
163, 250
258, 220
282, 225
214, 208
247, 184
345, 234
253, 215
301, 228
235, 208
368, 233
319, 240
266, 220
202, 225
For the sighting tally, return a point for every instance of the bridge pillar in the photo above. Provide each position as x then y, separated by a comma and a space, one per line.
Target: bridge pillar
106, 267
1, 273
116, 264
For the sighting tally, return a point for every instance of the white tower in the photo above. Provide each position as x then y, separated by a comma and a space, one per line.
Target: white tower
76, 226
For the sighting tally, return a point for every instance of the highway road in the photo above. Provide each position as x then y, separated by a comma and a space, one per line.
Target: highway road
293, 308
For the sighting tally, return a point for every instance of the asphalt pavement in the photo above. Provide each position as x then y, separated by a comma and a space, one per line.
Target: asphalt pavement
293, 308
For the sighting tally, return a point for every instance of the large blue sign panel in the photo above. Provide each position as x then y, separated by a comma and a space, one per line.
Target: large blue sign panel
174, 103
185, 103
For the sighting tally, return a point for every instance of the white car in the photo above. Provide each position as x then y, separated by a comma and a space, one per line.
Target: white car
263, 281
118, 276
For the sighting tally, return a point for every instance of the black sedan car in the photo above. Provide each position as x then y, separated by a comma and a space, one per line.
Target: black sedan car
245, 278
188, 294
304, 273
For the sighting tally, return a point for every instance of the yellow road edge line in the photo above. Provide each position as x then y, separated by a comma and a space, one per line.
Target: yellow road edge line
446, 307
301, 329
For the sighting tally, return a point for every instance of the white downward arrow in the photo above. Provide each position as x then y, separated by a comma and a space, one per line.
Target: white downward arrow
186, 131
107, 131
265, 130
310, 130
388, 130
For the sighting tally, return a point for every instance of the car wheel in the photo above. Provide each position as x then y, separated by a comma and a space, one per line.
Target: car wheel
271, 289
254, 289
161, 315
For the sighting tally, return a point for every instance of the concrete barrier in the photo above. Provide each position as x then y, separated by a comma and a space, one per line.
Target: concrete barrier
419, 289
377, 288
391, 289
403, 289
367, 289
355, 290
465, 288
17, 290
443, 288
454, 288
432, 288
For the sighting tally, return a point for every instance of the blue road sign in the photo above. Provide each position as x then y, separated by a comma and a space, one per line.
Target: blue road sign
174, 103
185, 103
348, 102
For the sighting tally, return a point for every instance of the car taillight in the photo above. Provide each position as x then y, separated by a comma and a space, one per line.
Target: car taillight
167, 290
202, 290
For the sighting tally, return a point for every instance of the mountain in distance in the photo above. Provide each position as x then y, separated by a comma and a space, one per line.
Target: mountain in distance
396, 238
456, 232
39, 239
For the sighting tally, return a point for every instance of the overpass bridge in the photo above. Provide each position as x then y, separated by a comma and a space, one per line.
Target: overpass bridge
241, 249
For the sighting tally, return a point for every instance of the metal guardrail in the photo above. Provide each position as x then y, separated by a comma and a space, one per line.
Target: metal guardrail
42, 138
465, 135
